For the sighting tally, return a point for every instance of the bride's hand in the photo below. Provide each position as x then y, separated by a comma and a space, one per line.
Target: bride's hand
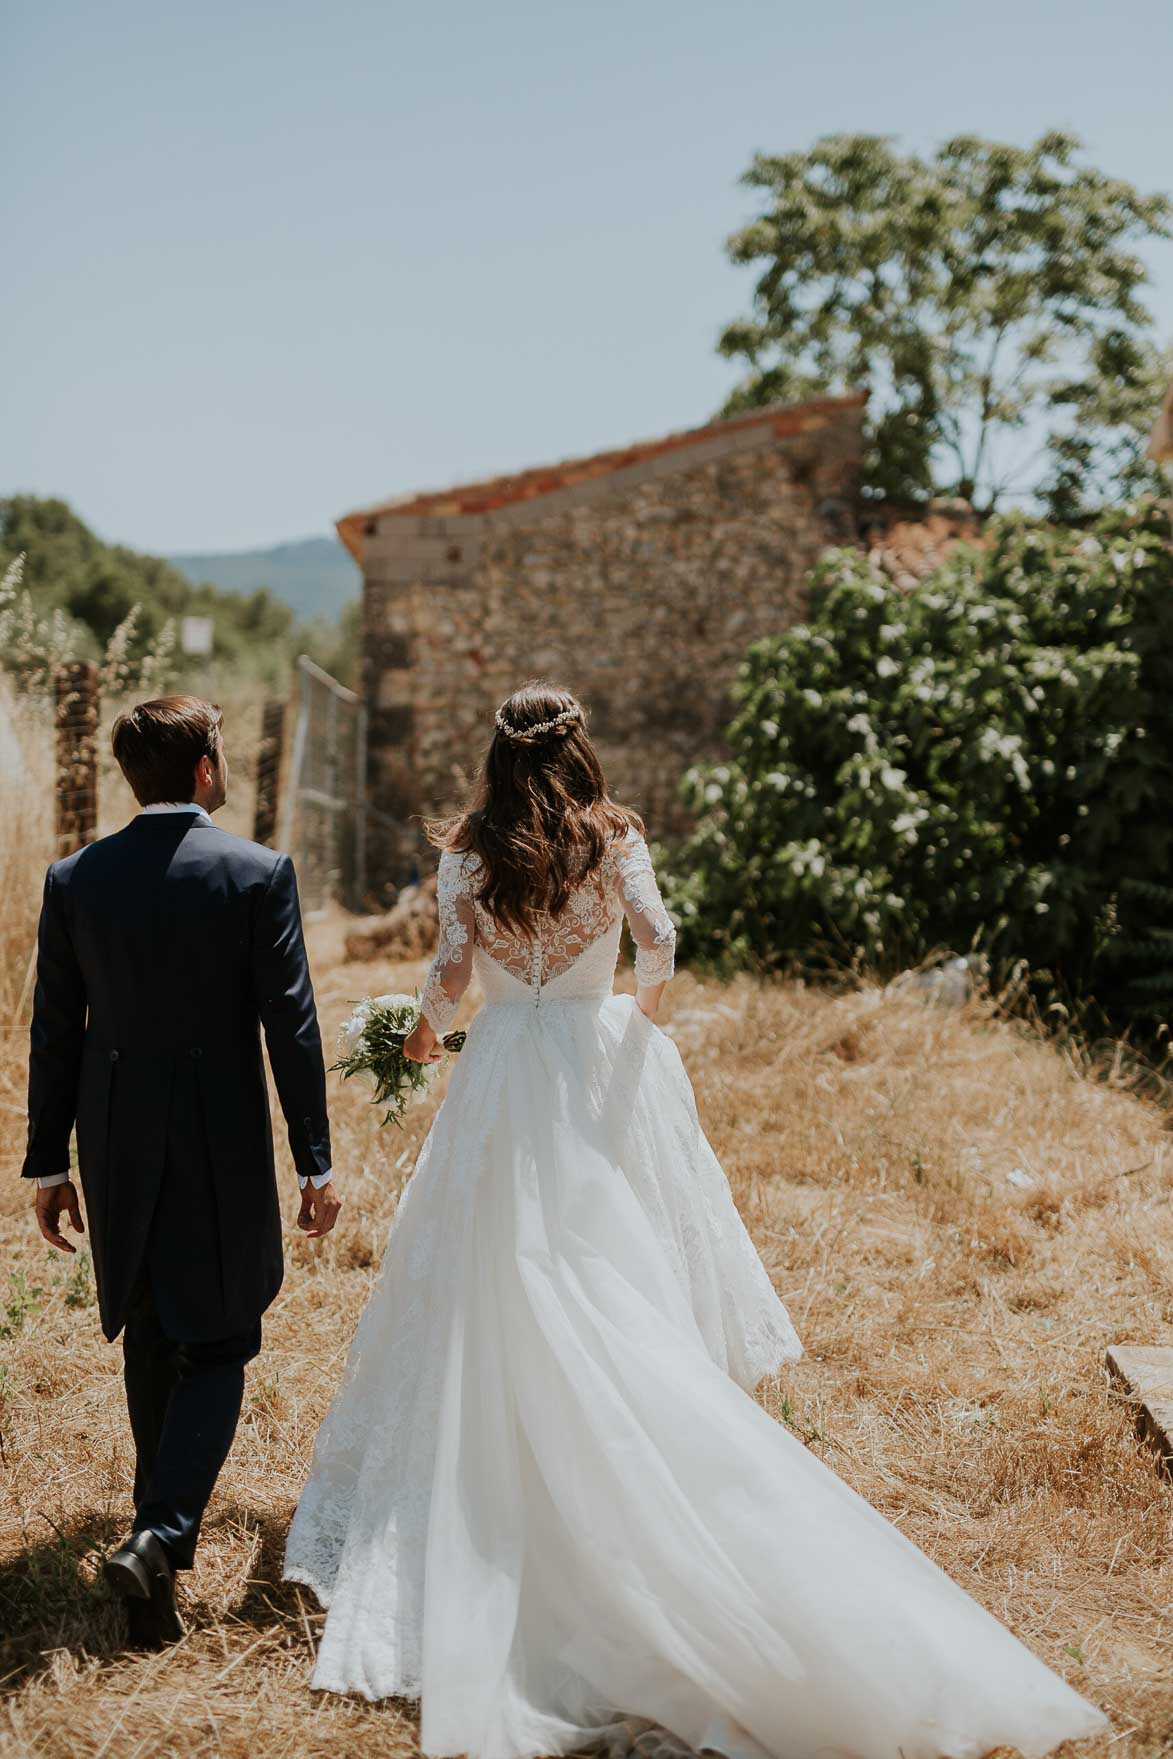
422, 1046
647, 1000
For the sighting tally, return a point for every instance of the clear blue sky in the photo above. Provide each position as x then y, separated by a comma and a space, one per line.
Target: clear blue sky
269, 261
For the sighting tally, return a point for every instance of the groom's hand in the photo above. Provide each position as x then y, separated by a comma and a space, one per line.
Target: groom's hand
59, 1200
318, 1212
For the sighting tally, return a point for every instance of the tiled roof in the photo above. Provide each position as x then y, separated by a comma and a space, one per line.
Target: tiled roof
786, 420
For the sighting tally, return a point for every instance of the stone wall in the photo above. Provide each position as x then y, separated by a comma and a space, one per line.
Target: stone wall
910, 543
640, 589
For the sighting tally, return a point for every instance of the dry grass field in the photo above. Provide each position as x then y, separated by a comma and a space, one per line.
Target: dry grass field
955, 1319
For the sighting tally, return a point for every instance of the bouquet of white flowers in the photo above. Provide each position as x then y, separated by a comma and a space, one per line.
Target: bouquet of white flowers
371, 1042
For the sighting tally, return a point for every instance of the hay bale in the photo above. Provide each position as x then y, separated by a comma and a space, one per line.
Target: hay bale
409, 930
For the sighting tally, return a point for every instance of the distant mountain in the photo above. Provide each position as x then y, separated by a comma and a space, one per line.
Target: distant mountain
314, 576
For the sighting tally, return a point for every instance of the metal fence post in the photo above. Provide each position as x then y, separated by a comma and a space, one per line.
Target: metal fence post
323, 803
75, 690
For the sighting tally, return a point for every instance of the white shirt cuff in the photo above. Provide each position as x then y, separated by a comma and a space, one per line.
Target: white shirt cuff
318, 1180
51, 1179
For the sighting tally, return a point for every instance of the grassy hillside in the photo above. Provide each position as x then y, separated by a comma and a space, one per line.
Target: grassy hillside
314, 576
68, 569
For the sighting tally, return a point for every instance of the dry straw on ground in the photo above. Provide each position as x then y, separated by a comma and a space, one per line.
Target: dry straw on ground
955, 1319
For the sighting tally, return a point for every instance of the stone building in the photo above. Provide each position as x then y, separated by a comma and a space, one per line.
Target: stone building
637, 578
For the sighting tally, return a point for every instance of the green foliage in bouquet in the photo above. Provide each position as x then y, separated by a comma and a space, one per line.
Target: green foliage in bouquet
986, 759
371, 1041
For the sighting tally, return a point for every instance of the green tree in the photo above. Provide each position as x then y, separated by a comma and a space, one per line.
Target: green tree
984, 295
336, 644
104, 600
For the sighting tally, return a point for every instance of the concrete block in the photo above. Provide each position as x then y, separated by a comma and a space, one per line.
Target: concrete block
1145, 1372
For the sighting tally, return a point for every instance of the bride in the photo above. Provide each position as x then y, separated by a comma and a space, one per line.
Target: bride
543, 1501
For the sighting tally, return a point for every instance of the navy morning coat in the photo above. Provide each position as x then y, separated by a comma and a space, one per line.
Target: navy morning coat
163, 950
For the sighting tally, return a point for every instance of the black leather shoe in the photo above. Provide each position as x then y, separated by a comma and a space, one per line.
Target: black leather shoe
143, 1635
140, 1573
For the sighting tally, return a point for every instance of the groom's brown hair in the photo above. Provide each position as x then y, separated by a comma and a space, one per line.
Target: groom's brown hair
158, 745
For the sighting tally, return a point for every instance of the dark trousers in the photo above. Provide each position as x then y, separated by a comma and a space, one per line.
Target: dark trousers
184, 1402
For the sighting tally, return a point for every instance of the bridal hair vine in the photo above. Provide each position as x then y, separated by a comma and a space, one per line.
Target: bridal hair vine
562, 720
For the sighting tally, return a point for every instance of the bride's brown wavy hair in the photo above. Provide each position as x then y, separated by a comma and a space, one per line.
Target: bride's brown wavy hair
541, 818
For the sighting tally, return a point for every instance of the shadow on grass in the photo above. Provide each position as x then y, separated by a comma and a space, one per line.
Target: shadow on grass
52, 1598
267, 1600
290, 1615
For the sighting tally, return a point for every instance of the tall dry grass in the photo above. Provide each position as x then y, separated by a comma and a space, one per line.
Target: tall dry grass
27, 750
26, 831
955, 1320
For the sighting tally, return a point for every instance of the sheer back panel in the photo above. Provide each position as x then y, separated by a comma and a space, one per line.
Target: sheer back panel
571, 954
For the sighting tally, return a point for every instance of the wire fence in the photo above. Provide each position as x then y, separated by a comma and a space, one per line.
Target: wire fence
297, 778
323, 815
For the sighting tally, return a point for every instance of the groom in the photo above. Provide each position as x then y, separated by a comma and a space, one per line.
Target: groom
162, 952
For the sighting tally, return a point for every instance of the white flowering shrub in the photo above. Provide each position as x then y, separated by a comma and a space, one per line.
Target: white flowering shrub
34, 642
984, 759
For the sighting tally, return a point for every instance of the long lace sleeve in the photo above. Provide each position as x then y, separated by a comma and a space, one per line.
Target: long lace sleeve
451, 969
652, 929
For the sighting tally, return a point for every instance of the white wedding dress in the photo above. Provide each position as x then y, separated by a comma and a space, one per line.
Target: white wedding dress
543, 1501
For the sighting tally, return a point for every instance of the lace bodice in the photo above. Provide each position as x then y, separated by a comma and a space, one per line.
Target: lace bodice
573, 953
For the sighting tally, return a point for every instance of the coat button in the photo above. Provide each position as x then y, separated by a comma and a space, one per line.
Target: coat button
308, 1122
196, 1051
113, 1056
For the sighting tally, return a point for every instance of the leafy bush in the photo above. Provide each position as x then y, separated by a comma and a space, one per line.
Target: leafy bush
985, 759
1137, 958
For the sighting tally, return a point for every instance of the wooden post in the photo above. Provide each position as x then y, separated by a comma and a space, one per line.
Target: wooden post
268, 772
76, 707
360, 807
293, 780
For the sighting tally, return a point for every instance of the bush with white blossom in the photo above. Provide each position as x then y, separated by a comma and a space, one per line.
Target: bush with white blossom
985, 759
